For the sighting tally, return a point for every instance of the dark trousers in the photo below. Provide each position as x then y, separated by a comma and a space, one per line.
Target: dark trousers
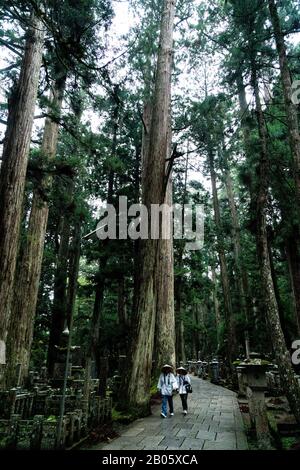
184, 397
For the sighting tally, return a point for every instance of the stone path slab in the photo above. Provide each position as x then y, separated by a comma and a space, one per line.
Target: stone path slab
214, 422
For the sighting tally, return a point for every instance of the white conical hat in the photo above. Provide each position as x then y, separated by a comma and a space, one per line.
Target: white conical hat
167, 366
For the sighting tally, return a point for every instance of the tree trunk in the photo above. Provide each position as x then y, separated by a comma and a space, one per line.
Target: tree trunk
74, 259
216, 305
141, 360
200, 335
256, 314
294, 139
194, 339
165, 316
122, 317
122, 308
147, 116
290, 107
293, 259
281, 309
93, 351
289, 382
182, 354
14, 165
115, 118
59, 318
241, 275
164, 287
136, 243
179, 325
230, 337
26, 284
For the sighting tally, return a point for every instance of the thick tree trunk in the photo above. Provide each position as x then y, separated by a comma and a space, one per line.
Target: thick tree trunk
139, 185
230, 326
29, 266
255, 314
164, 284
282, 356
165, 316
293, 258
241, 275
147, 116
141, 364
14, 165
282, 318
136, 243
290, 107
294, 138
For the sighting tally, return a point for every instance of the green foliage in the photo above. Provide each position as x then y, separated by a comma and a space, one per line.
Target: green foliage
100, 145
288, 442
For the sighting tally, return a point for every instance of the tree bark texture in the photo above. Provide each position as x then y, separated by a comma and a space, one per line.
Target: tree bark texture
59, 318
14, 165
230, 326
286, 80
289, 382
141, 360
28, 274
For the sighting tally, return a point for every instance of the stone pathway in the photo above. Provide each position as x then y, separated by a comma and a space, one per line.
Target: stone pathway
214, 422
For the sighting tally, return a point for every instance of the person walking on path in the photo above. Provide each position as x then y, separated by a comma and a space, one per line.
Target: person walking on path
167, 383
183, 382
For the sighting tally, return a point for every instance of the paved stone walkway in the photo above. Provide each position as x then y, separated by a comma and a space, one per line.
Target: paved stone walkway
214, 422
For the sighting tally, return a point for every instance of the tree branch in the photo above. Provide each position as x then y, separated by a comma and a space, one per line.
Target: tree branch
9, 67
10, 47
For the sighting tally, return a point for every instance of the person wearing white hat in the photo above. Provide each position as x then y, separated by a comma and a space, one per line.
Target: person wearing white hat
184, 384
167, 383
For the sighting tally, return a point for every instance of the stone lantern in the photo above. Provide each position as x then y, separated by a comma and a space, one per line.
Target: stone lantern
204, 369
242, 382
215, 371
254, 380
199, 368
